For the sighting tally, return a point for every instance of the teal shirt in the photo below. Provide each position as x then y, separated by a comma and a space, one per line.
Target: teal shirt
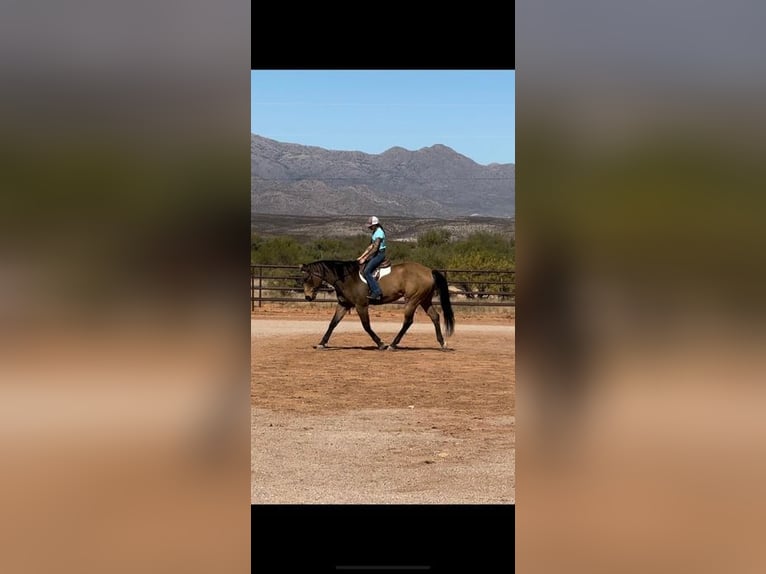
378, 233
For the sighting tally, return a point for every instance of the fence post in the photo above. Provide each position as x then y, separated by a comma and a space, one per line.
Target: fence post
252, 290
504, 282
260, 285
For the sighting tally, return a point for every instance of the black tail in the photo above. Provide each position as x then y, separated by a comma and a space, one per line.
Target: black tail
449, 317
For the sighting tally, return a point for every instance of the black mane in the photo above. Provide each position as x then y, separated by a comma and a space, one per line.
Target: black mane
334, 269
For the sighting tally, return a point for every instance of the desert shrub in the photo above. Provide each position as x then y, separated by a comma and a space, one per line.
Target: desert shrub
433, 249
434, 238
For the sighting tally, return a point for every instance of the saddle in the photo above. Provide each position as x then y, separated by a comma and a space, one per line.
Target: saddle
382, 270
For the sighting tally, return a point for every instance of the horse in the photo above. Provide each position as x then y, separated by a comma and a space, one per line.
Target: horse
413, 281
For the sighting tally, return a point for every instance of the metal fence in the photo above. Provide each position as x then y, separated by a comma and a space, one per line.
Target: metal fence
478, 288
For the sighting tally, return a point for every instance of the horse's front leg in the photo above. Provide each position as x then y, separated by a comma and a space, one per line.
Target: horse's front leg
364, 317
340, 312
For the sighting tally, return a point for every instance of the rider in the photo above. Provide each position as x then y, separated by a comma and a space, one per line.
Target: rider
375, 253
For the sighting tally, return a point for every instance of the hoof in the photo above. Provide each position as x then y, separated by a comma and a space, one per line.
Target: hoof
382, 347
393, 348
444, 348
320, 347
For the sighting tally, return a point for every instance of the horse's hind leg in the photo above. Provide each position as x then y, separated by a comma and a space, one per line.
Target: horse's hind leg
409, 312
364, 317
340, 312
431, 312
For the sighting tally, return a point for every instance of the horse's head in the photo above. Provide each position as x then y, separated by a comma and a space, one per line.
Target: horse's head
312, 281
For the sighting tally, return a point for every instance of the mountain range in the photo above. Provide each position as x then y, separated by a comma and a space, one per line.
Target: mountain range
434, 182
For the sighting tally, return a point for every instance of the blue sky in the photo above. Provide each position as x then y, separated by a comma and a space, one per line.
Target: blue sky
471, 111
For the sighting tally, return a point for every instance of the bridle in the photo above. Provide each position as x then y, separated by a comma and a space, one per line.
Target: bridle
315, 274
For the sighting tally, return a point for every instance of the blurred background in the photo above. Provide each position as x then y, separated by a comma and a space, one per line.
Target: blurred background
640, 260
124, 336
124, 346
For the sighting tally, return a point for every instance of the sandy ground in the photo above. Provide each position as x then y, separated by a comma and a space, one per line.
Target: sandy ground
426, 427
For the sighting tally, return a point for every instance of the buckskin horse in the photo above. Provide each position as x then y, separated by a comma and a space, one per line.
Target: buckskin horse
413, 281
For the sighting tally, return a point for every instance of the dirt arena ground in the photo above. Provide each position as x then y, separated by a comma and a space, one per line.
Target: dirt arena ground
425, 426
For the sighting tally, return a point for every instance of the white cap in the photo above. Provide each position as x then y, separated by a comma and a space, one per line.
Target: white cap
372, 221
